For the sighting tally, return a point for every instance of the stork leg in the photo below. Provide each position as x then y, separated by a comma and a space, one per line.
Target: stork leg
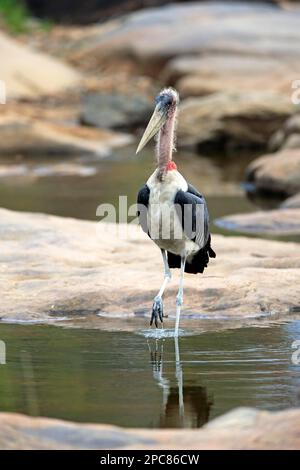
179, 297
157, 308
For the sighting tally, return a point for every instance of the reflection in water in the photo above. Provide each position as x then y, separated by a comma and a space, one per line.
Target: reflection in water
182, 406
105, 377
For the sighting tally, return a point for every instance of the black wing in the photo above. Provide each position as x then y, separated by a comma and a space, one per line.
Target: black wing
192, 210
143, 202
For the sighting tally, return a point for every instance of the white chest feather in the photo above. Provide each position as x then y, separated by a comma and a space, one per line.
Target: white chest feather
164, 225
165, 191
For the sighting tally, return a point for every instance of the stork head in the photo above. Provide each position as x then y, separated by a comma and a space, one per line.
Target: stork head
166, 106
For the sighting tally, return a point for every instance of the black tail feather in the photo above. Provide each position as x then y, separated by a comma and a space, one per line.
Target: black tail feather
199, 261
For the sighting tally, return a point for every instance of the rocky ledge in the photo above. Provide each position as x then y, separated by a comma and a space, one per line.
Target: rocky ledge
33, 137
54, 268
276, 222
242, 428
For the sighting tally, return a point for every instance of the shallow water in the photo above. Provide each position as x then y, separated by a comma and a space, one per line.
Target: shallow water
76, 187
126, 379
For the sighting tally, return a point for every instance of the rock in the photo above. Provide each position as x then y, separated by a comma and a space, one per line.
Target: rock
31, 74
276, 173
232, 119
151, 37
240, 429
292, 202
292, 142
210, 73
115, 111
241, 54
33, 137
288, 136
275, 222
115, 270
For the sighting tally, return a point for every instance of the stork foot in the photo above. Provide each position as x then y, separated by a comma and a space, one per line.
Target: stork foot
157, 311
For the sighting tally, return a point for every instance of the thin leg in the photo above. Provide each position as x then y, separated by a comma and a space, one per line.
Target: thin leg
157, 308
179, 297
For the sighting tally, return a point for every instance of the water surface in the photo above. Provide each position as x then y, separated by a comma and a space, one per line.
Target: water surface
44, 185
125, 379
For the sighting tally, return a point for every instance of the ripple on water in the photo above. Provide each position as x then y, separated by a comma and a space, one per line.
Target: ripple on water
161, 333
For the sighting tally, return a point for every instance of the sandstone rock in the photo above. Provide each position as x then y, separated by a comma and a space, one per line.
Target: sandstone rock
58, 269
236, 118
292, 202
115, 111
292, 142
276, 173
33, 137
243, 55
152, 36
288, 136
210, 73
280, 222
31, 74
240, 429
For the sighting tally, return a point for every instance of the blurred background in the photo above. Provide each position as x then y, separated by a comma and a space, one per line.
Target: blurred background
80, 80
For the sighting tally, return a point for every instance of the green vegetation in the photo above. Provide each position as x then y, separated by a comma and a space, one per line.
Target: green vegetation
15, 15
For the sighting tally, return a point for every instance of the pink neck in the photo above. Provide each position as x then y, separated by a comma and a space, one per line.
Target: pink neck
165, 145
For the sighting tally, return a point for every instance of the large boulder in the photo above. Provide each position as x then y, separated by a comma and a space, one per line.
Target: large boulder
240, 429
212, 72
27, 136
233, 119
153, 36
276, 173
114, 269
31, 74
243, 55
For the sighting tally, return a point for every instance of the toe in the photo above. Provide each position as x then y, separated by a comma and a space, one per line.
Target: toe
157, 312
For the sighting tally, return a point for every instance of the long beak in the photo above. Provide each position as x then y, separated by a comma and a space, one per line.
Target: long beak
156, 122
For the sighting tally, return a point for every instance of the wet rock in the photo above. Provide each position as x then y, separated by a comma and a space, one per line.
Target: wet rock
242, 428
32, 74
34, 137
115, 111
231, 119
276, 173
292, 202
52, 267
280, 222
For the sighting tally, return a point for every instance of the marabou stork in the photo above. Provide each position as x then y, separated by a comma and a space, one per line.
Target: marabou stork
171, 211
